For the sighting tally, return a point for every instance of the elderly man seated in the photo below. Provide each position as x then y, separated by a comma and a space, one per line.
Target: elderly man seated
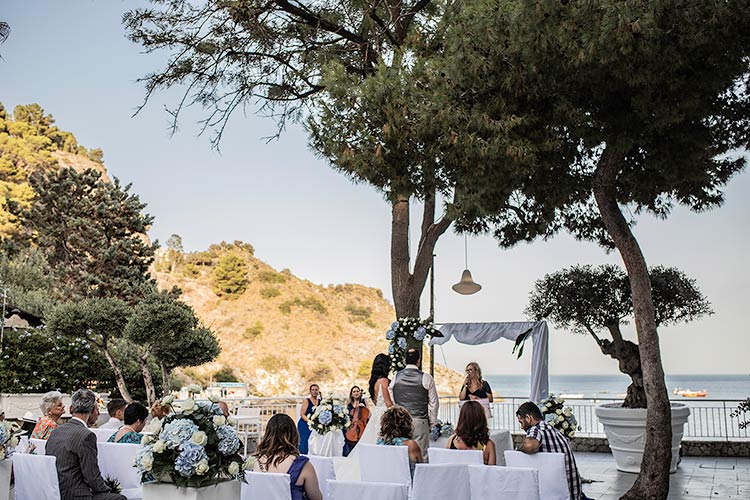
74, 447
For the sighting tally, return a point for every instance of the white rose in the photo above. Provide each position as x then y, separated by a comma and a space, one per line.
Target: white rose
568, 412
147, 462
2, 453
167, 400
565, 425
199, 438
201, 467
249, 462
188, 405
233, 468
560, 418
160, 446
231, 420
558, 400
147, 439
194, 388
13, 442
154, 427
214, 398
559, 412
219, 420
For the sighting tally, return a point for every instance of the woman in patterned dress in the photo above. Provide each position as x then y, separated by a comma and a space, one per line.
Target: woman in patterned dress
52, 409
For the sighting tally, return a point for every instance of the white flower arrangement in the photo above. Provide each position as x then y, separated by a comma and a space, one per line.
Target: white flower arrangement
559, 416
399, 334
329, 415
9, 434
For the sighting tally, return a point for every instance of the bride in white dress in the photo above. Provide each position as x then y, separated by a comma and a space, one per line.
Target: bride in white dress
348, 468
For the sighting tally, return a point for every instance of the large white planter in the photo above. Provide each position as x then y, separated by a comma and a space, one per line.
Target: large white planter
626, 431
5, 466
228, 490
330, 444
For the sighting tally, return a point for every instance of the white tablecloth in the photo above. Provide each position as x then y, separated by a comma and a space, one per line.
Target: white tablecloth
502, 439
330, 444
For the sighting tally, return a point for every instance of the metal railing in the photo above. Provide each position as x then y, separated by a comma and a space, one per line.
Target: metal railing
709, 418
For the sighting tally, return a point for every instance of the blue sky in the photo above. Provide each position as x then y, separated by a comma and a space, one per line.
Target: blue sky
73, 58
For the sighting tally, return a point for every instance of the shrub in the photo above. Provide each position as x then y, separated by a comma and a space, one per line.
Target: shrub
200, 258
364, 370
230, 276
191, 270
358, 313
271, 277
310, 303
320, 373
225, 374
269, 292
273, 363
254, 331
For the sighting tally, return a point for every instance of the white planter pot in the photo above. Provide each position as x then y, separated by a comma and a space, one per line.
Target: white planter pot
228, 490
330, 444
626, 431
5, 466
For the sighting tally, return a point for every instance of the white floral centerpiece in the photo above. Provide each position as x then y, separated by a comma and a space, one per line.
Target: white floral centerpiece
326, 422
9, 434
400, 332
196, 446
559, 416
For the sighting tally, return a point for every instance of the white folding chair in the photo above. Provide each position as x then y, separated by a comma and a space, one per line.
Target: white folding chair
324, 470
116, 461
384, 464
348, 490
103, 434
248, 424
265, 486
490, 482
39, 445
441, 481
446, 456
553, 482
36, 477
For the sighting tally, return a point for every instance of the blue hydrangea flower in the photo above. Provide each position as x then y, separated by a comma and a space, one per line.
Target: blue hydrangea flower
401, 342
550, 418
229, 445
325, 417
394, 325
390, 349
144, 459
338, 409
226, 432
177, 431
390, 334
188, 458
420, 333
212, 408
3, 436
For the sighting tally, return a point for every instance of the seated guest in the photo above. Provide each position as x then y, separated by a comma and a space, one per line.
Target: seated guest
472, 433
52, 409
277, 452
474, 387
542, 437
74, 447
396, 430
115, 409
135, 420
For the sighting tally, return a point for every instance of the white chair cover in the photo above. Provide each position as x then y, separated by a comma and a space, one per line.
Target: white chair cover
356, 490
441, 481
116, 461
384, 464
490, 483
36, 477
447, 456
23, 444
103, 434
553, 483
330, 444
265, 486
324, 470
39, 445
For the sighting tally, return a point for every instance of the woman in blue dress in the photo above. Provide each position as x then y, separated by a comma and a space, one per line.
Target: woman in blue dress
304, 414
135, 416
277, 452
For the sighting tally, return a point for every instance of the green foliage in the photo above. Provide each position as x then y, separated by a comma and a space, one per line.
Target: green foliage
27, 278
321, 372
225, 374
271, 277
269, 292
253, 331
200, 258
92, 234
311, 303
230, 276
175, 243
364, 370
358, 313
191, 270
273, 363
97, 320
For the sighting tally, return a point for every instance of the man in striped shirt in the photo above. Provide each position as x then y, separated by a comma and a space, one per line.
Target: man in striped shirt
542, 437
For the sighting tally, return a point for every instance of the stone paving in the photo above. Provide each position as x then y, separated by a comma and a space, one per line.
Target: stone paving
696, 477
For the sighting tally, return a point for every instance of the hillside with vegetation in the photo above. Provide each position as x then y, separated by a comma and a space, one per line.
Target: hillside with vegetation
279, 332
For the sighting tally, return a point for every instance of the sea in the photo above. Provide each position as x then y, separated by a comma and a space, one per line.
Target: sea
725, 387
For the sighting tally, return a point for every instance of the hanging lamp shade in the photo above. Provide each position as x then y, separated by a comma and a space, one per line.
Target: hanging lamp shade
466, 286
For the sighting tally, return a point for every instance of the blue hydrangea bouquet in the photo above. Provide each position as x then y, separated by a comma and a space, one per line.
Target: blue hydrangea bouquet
196, 446
559, 416
329, 415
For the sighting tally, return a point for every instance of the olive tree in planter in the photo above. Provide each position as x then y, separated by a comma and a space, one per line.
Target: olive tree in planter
589, 300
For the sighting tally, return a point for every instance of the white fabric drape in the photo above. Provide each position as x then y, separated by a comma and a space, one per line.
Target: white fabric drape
330, 444
484, 333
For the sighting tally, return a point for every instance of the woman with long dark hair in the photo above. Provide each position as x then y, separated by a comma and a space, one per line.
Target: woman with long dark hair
472, 433
277, 452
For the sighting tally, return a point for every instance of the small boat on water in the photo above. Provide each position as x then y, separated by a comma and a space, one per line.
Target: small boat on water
571, 396
687, 393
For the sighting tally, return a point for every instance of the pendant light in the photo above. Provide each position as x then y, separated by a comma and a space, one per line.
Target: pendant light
466, 286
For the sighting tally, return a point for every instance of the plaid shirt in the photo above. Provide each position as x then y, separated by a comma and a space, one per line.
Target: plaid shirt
553, 442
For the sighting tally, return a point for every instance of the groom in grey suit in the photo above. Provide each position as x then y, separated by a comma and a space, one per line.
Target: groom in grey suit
415, 391
74, 447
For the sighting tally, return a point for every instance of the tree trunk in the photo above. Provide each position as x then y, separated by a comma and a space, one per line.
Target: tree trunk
629, 361
148, 380
166, 386
653, 481
407, 286
118, 375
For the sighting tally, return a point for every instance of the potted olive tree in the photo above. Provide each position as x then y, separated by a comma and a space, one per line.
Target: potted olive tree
590, 300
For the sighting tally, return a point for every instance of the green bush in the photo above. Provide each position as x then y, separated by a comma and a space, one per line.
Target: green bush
225, 374
253, 331
200, 258
364, 370
273, 363
191, 271
271, 277
357, 313
311, 303
230, 276
269, 292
